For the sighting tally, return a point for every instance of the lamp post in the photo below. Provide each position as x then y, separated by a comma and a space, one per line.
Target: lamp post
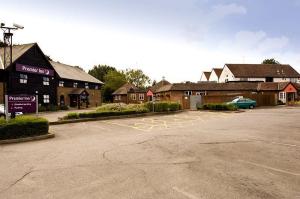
7, 55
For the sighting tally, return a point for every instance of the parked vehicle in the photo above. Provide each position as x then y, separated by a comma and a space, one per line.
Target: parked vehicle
243, 103
2, 111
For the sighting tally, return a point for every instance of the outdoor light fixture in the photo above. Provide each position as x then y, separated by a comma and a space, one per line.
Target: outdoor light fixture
7, 48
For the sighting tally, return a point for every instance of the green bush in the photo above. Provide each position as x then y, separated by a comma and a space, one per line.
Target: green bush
64, 107
23, 126
219, 107
163, 106
72, 116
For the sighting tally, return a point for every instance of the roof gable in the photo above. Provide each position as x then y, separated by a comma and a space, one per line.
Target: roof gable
17, 52
262, 70
218, 71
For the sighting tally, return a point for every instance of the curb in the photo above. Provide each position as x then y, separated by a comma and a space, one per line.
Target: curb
27, 139
112, 117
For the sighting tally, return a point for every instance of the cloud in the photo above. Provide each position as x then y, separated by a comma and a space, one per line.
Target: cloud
222, 10
259, 41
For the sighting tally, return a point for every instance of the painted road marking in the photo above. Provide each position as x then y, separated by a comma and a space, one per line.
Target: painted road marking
271, 168
188, 195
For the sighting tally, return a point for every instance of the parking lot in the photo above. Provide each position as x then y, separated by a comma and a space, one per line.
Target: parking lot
189, 155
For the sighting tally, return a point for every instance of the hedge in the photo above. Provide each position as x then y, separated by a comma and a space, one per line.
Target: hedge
163, 106
219, 107
23, 126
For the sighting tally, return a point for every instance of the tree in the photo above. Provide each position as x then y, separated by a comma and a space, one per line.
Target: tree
100, 71
137, 77
270, 61
113, 80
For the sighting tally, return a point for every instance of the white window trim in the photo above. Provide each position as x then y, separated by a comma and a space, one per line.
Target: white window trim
141, 96
23, 78
133, 96
46, 99
47, 82
61, 83
75, 85
188, 93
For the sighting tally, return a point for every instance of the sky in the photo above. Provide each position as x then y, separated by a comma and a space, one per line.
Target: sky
175, 39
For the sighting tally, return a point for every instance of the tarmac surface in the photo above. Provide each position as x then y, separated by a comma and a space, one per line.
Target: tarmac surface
190, 155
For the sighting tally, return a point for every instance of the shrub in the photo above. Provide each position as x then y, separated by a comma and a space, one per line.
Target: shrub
163, 106
64, 107
23, 126
72, 116
121, 107
219, 107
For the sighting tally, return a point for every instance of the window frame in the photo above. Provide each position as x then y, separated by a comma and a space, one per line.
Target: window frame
141, 96
133, 96
61, 83
46, 99
75, 84
23, 78
46, 81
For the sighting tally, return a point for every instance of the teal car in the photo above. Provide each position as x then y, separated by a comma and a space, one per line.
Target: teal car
243, 103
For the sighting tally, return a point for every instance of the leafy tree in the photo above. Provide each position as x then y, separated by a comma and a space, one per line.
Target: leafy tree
100, 71
113, 80
270, 61
137, 77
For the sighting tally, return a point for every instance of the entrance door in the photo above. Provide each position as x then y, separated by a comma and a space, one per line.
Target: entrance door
62, 100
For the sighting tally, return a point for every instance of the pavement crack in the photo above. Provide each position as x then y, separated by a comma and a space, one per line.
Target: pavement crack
18, 180
227, 142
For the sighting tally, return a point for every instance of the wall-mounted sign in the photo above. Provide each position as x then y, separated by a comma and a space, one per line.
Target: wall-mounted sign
34, 70
149, 93
21, 103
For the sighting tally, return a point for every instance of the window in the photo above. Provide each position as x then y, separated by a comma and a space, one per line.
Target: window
187, 93
23, 79
46, 81
282, 95
75, 84
87, 85
133, 96
46, 99
96, 87
201, 93
141, 96
118, 97
61, 84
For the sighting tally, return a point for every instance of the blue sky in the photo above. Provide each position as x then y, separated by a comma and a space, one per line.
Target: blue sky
177, 39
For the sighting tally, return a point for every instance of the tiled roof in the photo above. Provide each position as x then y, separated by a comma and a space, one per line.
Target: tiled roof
17, 51
159, 85
231, 86
70, 72
263, 70
218, 71
123, 90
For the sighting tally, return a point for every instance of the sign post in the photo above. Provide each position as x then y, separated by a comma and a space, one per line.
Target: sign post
37, 105
150, 94
6, 108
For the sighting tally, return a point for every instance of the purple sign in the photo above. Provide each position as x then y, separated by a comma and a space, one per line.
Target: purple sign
22, 103
34, 70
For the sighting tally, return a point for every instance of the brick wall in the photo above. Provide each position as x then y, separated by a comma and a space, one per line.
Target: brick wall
94, 96
1, 93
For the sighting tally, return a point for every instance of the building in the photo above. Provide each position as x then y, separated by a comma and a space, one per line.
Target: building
129, 94
259, 72
31, 73
75, 87
182, 92
205, 77
215, 75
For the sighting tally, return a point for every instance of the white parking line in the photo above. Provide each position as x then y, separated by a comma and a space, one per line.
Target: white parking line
188, 195
271, 168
